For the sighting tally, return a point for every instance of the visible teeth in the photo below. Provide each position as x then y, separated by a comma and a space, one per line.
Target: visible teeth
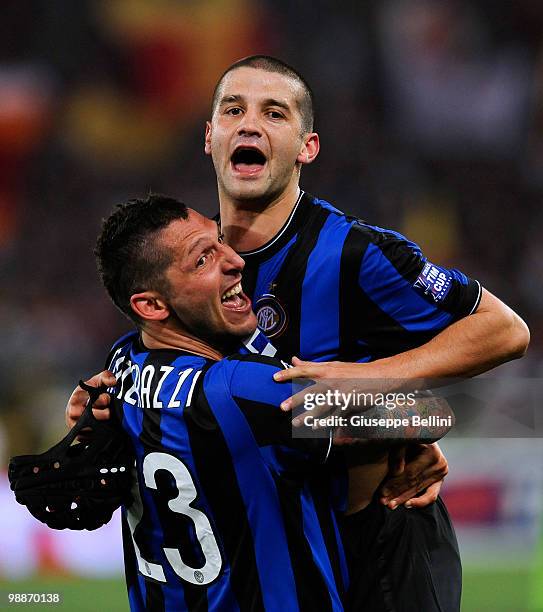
234, 291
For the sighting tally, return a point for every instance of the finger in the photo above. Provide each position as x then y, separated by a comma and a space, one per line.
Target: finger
301, 369
409, 479
290, 374
427, 498
79, 397
297, 399
401, 494
104, 378
305, 398
396, 461
103, 401
293, 401
102, 414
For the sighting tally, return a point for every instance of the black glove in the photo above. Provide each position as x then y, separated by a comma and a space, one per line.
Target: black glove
77, 486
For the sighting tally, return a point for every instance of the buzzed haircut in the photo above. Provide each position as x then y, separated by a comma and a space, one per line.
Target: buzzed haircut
129, 257
272, 64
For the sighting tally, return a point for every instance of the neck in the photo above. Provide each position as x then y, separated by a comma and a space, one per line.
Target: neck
249, 224
174, 339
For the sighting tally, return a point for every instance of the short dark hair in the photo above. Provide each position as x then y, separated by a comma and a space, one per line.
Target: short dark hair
128, 256
272, 64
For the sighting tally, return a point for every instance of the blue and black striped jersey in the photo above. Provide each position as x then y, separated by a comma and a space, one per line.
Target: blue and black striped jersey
229, 512
329, 286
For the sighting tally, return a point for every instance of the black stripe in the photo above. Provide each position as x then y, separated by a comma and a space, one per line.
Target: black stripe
408, 264
217, 476
320, 490
130, 561
271, 426
154, 599
311, 589
289, 281
175, 527
361, 318
250, 274
268, 424
149, 437
257, 358
352, 253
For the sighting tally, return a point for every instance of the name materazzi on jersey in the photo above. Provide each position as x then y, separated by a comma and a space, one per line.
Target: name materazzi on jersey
271, 315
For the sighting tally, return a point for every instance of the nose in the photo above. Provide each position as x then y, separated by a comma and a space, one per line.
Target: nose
249, 124
232, 262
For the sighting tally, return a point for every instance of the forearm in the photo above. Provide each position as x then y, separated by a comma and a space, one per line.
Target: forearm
492, 335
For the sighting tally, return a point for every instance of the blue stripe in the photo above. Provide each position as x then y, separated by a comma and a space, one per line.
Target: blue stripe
341, 551
269, 270
143, 592
283, 458
259, 495
221, 596
396, 296
254, 381
327, 206
175, 438
154, 536
313, 534
457, 275
323, 271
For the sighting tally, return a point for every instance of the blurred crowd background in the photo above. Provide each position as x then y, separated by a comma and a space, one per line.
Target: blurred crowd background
431, 122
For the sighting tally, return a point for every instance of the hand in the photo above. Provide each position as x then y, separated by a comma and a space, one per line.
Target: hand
426, 470
78, 400
334, 377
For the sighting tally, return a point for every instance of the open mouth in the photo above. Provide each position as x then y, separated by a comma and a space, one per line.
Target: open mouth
235, 299
248, 160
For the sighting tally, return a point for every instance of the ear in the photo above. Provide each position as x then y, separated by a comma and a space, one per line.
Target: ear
207, 142
150, 306
310, 148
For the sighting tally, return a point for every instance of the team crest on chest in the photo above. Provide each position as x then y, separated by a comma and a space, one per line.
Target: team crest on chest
270, 314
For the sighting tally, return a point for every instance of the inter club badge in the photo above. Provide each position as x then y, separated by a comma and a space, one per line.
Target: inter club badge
271, 316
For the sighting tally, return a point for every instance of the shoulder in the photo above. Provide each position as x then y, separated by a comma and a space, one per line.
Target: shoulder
125, 340
384, 238
251, 377
241, 366
121, 347
360, 233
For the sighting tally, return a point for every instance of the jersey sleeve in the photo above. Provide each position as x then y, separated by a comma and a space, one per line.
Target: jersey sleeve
405, 296
258, 396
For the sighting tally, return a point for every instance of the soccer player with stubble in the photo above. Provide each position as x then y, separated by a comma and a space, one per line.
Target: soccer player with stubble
228, 511
364, 303
328, 287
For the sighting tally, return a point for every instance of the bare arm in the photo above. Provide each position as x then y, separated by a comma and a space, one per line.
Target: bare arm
494, 334
479, 342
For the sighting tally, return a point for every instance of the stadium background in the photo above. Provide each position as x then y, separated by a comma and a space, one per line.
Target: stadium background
431, 117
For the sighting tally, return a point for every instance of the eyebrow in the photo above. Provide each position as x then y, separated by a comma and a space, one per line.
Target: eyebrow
197, 243
267, 102
230, 98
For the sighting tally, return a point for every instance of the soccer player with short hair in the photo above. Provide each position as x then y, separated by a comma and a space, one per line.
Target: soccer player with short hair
228, 513
327, 287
